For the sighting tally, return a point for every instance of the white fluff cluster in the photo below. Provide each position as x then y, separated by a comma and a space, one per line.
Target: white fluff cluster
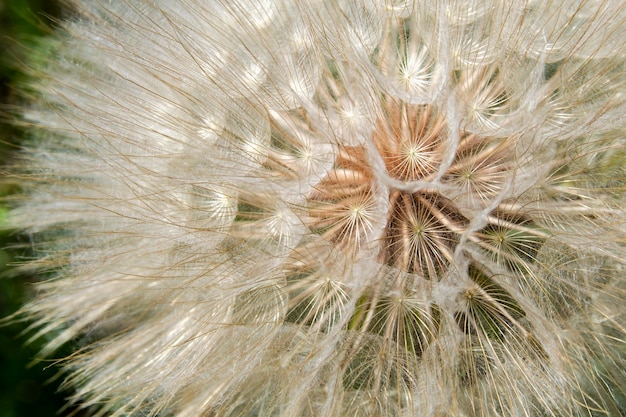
333, 208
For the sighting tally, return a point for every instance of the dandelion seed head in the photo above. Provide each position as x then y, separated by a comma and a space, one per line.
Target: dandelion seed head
368, 208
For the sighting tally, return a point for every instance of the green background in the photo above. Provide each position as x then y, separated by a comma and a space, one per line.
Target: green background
26, 389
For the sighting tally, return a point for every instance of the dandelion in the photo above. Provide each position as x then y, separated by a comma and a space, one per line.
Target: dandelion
332, 208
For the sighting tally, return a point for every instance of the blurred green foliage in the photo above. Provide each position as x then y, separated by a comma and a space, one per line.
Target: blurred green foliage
27, 389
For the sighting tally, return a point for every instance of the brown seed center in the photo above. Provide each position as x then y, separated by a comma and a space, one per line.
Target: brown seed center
421, 229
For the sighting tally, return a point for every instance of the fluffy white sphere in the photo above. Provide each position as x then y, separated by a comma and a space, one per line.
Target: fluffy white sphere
333, 208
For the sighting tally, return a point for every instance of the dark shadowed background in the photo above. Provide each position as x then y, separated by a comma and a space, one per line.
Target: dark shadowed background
25, 391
